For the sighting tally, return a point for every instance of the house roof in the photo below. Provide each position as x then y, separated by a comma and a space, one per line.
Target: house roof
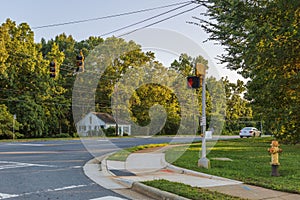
108, 119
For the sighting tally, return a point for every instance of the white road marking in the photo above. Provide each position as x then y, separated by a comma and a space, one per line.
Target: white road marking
76, 167
11, 165
6, 196
103, 140
66, 188
53, 190
27, 144
108, 198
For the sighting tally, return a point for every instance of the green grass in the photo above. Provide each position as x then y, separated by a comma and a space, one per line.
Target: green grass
251, 162
123, 154
188, 191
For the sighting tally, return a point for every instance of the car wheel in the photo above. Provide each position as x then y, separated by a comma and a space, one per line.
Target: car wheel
241, 136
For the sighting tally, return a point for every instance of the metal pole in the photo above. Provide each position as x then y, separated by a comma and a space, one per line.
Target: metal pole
14, 118
261, 126
203, 162
203, 118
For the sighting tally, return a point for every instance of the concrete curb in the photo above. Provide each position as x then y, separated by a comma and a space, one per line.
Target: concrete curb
134, 185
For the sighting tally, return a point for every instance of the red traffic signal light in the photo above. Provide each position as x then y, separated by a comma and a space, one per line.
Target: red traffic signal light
52, 69
193, 82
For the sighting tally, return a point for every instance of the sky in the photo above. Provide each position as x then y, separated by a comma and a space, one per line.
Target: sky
44, 13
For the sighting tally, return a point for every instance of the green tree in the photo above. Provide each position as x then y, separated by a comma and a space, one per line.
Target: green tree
186, 64
215, 97
239, 111
61, 103
8, 124
27, 88
261, 40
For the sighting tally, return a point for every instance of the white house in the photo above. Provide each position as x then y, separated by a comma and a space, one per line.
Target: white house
95, 121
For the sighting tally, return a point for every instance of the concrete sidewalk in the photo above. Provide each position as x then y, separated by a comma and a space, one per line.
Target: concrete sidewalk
152, 166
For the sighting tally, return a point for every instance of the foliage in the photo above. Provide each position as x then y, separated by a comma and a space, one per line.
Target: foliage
238, 110
261, 40
44, 105
8, 124
25, 80
110, 131
251, 162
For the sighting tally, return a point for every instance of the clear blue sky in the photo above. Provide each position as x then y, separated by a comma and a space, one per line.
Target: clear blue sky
40, 13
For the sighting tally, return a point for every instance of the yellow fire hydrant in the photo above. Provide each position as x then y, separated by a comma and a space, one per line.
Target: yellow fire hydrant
274, 151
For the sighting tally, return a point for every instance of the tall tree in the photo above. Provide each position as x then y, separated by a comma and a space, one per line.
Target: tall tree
27, 89
8, 125
261, 40
239, 111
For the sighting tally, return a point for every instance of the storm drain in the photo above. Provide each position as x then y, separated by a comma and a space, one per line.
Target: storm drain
118, 172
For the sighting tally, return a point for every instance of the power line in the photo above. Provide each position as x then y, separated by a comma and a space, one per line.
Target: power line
106, 17
128, 26
157, 22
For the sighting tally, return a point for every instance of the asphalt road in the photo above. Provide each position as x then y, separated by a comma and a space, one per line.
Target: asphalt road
53, 169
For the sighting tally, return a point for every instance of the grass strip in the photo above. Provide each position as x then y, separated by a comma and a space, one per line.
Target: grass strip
124, 153
194, 193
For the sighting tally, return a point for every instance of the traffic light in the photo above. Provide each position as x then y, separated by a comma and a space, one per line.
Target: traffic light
80, 62
193, 82
52, 69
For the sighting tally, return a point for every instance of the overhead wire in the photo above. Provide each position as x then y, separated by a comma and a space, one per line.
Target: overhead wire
125, 27
147, 19
157, 22
107, 17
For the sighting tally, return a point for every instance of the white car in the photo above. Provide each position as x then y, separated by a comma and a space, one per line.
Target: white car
250, 132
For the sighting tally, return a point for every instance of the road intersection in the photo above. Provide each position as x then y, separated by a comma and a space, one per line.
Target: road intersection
54, 169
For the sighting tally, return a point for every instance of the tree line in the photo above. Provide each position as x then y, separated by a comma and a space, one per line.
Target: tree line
43, 105
261, 39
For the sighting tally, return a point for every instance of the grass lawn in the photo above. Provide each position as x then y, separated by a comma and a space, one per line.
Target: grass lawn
250, 162
188, 191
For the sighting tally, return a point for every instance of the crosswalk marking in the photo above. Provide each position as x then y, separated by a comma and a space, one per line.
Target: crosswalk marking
11, 165
27, 144
6, 196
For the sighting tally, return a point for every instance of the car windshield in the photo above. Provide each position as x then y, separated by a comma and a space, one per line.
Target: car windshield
247, 128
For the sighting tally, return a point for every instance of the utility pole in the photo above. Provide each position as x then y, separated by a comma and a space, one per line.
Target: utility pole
203, 161
14, 118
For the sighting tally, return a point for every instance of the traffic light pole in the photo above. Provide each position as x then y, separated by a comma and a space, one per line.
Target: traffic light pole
203, 161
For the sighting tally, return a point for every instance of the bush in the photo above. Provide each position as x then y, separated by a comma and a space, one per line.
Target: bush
61, 135
111, 131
